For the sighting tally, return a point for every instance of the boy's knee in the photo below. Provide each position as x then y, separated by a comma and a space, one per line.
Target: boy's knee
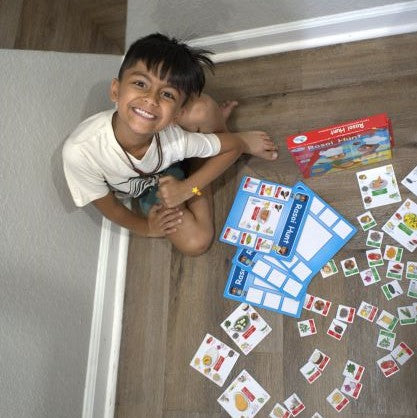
198, 245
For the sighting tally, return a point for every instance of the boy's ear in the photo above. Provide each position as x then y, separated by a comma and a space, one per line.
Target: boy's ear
114, 90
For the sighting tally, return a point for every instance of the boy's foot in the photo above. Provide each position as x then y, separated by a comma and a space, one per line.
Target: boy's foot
227, 107
259, 144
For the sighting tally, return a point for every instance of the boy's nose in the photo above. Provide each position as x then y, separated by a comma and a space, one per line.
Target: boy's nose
152, 98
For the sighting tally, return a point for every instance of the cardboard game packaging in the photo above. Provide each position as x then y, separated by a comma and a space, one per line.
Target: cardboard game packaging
349, 144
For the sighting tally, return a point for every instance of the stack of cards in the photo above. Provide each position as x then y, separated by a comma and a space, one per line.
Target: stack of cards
313, 369
389, 364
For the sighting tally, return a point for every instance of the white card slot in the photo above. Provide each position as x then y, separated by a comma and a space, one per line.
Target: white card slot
313, 238
262, 283
328, 217
290, 305
272, 301
261, 269
292, 287
316, 206
291, 262
302, 271
276, 278
272, 260
254, 295
342, 229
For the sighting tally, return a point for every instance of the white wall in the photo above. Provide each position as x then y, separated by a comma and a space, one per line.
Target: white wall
48, 248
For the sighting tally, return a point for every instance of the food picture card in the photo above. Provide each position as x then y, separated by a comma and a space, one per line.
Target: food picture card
349, 266
320, 359
370, 276
402, 353
214, 359
244, 397
386, 340
279, 411
387, 365
317, 305
294, 404
244, 287
374, 238
374, 257
329, 269
337, 329
406, 315
351, 388
387, 320
353, 371
337, 400
246, 327
345, 314
412, 289
402, 226
391, 290
311, 372
411, 271
307, 327
378, 186
410, 181
367, 311
395, 270
366, 221
393, 253
267, 217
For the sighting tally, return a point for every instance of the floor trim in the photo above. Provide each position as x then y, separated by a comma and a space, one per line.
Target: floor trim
339, 28
106, 325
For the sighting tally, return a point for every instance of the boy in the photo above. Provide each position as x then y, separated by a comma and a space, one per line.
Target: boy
131, 152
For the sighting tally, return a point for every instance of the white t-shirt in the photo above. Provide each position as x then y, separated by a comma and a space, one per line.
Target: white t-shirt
94, 162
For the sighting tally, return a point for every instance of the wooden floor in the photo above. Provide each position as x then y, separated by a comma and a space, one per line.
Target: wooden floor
172, 301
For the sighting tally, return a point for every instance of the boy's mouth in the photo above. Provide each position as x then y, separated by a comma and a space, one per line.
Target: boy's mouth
143, 113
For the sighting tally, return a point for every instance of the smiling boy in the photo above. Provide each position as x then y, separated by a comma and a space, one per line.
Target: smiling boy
134, 151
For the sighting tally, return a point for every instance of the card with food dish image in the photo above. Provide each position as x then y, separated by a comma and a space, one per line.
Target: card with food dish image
311, 372
279, 411
329, 269
338, 400
378, 186
387, 365
345, 313
410, 181
349, 266
307, 327
406, 315
402, 353
386, 340
320, 359
317, 305
412, 289
351, 388
395, 270
353, 371
245, 327
411, 271
392, 290
387, 320
374, 257
374, 238
366, 221
402, 226
244, 398
393, 253
294, 404
337, 329
370, 276
214, 359
367, 311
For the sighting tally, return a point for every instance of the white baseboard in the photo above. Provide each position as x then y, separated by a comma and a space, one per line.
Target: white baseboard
358, 25
106, 324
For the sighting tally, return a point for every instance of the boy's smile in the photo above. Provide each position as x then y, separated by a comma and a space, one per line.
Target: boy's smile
145, 105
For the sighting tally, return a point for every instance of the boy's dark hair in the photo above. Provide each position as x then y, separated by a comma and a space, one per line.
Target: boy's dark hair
182, 64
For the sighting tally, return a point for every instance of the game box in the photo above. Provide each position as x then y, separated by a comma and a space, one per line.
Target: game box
348, 144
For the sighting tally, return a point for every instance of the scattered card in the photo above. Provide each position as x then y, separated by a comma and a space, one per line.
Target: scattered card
294, 404
370, 276
366, 221
244, 395
412, 289
393, 253
214, 359
320, 359
395, 270
353, 371
329, 269
387, 320
386, 340
346, 313
411, 272
388, 365
391, 290
374, 238
278, 411
317, 305
349, 267
402, 353
307, 327
367, 311
337, 400
351, 388
246, 327
406, 315
311, 372
410, 180
337, 329
374, 257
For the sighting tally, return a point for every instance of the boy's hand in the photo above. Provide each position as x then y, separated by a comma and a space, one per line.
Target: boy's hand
173, 192
163, 221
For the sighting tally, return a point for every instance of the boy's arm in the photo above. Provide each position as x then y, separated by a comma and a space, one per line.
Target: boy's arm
160, 222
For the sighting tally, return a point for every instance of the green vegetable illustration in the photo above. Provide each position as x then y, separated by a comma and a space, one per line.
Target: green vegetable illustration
304, 327
351, 368
406, 312
227, 324
385, 342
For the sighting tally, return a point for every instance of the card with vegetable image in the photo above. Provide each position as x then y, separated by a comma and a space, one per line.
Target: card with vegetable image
407, 315
393, 253
214, 359
395, 270
337, 329
402, 226
386, 340
387, 365
244, 397
392, 290
307, 327
245, 327
367, 311
353, 371
366, 221
279, 411
294, 404
345, 314
402, 353
351, 388
311, 372
320, 359
338, 400
374, 258
412, 289
329, 269
370, 276
374, 238
410, 180
349, 266
387, 320
411, 271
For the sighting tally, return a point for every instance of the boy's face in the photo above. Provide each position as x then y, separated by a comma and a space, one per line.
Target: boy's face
145, 103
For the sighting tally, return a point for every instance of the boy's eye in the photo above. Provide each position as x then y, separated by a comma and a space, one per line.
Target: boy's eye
168, 95
139, 83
